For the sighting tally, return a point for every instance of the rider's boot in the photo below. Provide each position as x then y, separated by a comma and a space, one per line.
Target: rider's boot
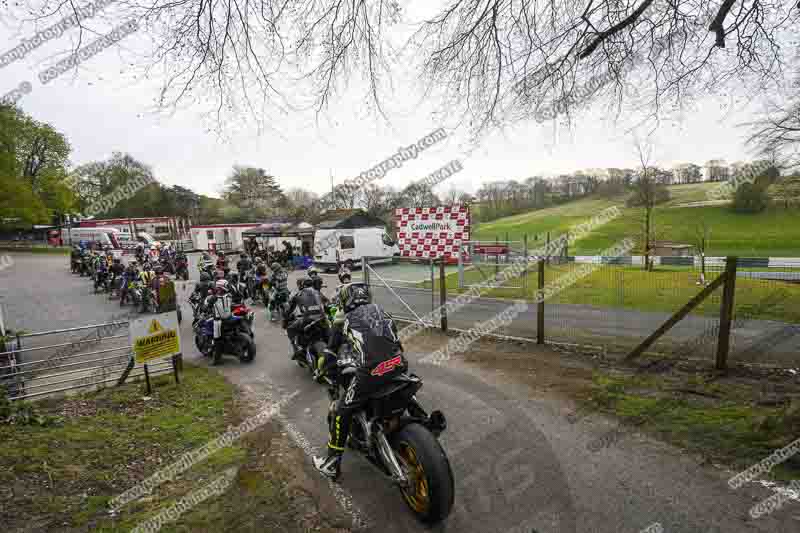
330, 466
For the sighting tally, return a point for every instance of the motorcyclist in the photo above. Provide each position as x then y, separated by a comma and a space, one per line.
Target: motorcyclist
313, 275
130, 275
278, 280
243, 264
305, 306
222, 263
117, 269
261, 273
374, 356
164, 289
204, 261
288, 251
139, 253
75, 258
218, 305
200, 292
236, 287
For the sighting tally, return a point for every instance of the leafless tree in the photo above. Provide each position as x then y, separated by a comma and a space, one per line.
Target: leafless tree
702, 238
492, 61
776, 135
374, 198
644, 193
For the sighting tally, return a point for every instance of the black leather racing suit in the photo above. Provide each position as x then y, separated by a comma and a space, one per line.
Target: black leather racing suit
243, 265
376, 352
305, 306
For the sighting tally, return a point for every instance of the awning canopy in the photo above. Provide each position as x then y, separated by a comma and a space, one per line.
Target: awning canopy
281, 229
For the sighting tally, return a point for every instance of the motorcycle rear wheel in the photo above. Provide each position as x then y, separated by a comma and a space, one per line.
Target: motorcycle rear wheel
247, 348
431, 491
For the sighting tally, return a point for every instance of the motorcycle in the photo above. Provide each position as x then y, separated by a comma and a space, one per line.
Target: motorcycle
278, 304
235, 337
261, 290
313, 344
135, 292
75, 264
149, 301
168, 265
397, 436
244, 312
100, 278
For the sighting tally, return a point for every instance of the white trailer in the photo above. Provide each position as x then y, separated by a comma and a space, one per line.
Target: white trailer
225, 237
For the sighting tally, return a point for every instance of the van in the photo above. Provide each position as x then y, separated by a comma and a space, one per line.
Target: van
141, 237
335, 247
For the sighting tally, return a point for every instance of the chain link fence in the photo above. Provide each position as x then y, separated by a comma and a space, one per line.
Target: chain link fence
610, 303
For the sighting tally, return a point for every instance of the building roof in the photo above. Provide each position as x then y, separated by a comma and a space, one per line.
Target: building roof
280, 230
353, 220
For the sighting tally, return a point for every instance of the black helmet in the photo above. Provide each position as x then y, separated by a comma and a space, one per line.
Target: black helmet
205, 276
234, 277
116, 260
355, 296
221, 254
243, 255
308, 282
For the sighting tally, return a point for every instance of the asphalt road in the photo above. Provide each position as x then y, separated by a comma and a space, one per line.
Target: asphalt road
519, 465
597, 325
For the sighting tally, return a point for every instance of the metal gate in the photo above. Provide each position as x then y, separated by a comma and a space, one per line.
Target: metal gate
54, 362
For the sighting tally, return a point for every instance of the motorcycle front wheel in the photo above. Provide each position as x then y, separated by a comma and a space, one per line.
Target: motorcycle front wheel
431, 489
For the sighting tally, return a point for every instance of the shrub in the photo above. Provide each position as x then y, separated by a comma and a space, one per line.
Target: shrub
750, 198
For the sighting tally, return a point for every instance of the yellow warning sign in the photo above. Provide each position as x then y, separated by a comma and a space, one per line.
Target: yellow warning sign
155, 338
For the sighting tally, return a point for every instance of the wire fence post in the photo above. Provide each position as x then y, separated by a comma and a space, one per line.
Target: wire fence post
433, 288
442, 294
726, 313
175, 369
540, 305
547, 247
460, 267
525, 265
147, 379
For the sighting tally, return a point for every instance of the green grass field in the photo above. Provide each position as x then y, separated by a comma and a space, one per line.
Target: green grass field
625, 287
772, 233
65, 474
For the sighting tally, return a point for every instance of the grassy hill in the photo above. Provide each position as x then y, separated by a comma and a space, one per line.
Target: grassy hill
774, 232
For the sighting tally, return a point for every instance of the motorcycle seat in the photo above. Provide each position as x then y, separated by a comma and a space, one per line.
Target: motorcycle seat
400, 382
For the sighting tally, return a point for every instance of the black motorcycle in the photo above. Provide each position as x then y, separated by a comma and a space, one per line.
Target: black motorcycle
278, 304
236, 337
396, 435
313, 342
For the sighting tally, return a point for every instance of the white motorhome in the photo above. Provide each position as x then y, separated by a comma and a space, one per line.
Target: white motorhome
344, 241
105, 236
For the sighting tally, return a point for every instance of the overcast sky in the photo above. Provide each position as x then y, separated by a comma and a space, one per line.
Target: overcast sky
102, 108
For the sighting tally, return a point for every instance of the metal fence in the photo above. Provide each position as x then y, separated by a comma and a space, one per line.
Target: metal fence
612, 304
55, 362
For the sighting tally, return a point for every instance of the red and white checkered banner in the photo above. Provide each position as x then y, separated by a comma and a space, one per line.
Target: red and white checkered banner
426, 232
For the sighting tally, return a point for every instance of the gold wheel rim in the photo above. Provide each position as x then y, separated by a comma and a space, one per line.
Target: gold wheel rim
417, 494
